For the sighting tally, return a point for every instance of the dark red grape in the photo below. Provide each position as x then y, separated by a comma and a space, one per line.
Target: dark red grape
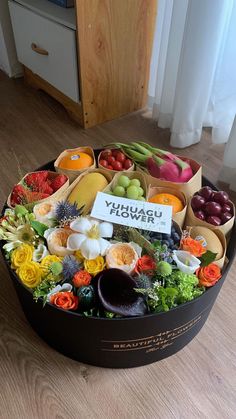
214, 220
206, 192
197, 202
200, 214
212, 208
226, 208
226, 216
221, 197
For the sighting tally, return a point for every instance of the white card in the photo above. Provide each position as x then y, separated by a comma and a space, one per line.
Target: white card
132, 213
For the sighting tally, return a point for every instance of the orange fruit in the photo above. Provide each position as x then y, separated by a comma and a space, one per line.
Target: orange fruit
167, 199
76, 161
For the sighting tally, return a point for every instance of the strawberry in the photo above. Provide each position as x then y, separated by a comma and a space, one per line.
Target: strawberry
58, 182
45, 187
35, 179
36, 196
18, 195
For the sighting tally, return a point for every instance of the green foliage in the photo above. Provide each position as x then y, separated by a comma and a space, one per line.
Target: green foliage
40, 228
42, 290
163, 268
207, 258
177, 289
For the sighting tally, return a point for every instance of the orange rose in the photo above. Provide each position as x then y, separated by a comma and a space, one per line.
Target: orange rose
192, 246
208, 275
66, 300
145, 264
81, 278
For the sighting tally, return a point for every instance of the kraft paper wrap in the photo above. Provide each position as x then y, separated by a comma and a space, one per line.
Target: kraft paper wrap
179, 217
114, 172
131, 175
226, 228
52, 198
68, 191
188, 188
73, 174
220, 262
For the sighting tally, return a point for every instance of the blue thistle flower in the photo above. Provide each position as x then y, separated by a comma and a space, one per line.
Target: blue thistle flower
66, 211
70, 267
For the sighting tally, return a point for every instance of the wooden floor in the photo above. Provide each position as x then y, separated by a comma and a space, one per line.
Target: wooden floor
38, 383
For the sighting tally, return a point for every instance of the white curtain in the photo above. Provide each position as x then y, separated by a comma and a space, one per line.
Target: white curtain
193, 69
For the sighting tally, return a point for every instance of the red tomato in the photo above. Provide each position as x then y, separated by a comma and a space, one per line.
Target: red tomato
103, 163
109, 167
117, 165
105, 154
115, 152
127, 164
120, 157
111, 160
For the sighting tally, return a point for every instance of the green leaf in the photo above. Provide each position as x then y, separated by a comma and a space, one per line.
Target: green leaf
40, 228
207, 258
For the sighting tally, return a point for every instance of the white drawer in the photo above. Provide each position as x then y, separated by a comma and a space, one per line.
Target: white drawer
59, 67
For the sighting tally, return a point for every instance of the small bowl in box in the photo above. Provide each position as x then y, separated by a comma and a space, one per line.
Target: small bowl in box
33, 196
188, 188
179, 216
74, 158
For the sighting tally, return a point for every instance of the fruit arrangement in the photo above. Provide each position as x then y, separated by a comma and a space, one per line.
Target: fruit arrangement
76, 262
128, 188
36, 186
84, 189
211, 206
115, 159
168, 199
159, 163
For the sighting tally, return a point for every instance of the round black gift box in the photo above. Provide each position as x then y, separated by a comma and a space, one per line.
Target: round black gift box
119, 342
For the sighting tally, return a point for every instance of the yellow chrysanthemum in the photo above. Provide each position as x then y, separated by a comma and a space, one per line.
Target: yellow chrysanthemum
22, 254
30, 274
94, 266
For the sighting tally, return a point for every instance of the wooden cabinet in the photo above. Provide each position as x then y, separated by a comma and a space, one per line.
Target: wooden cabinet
94, 58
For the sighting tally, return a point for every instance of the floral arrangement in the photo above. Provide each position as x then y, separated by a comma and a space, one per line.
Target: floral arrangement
96, 268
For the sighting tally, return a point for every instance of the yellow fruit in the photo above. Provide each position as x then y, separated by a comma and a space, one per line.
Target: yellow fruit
84, 193
213, 242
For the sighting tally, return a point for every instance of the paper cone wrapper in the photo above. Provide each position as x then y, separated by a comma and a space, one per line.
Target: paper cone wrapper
192, 220
52, 198
73, 174
220, 262
114, 172
68, 191
188, 188
131, 175
179, 217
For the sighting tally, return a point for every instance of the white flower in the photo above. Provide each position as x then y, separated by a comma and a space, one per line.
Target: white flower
40, 252
45, 213
59, 288
89, 237
186, 262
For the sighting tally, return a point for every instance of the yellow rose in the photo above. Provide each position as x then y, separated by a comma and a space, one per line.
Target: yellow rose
30, 274
22, 254
45, 265
78, 255
94, 266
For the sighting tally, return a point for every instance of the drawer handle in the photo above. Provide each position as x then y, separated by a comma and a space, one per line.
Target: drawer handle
39, 50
